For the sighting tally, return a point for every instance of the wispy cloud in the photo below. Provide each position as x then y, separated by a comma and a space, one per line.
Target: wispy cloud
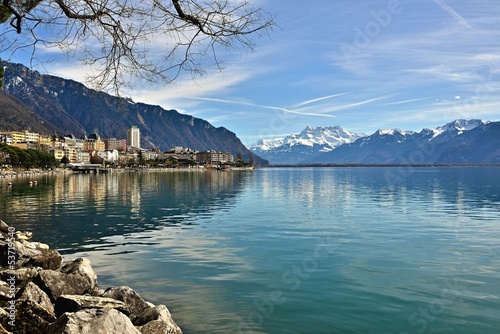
318, 99
452, 12
287, 110
407, 101
357, 104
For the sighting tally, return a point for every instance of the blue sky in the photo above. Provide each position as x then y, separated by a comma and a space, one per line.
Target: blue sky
363, 65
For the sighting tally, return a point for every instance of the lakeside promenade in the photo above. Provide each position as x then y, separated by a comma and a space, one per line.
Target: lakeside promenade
11, 173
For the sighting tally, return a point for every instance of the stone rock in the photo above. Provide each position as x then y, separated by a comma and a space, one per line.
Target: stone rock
160, 327
75, 303
22, 275
157, 320
56, 283
82, 267
133, 302
35, 294
4, 227
4, 290
27, 253
20, 278
29, 318
30, 254
93, 321
23, 235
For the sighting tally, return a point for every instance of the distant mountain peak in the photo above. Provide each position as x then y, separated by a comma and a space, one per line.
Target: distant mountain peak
393, 132
461, 141
457, 127
310, 141
464, 124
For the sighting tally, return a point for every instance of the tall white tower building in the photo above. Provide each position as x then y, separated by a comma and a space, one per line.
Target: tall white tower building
134, 137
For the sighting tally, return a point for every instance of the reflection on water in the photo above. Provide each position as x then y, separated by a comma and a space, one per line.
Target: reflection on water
82, 208
326, 250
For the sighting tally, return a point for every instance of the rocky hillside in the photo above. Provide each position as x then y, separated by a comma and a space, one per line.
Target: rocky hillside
73, 108
17, 116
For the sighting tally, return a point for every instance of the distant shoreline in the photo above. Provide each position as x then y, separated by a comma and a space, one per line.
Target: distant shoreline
380, 165
10, 174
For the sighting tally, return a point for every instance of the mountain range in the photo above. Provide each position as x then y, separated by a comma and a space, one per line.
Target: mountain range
53, 105
458, 142
296, 148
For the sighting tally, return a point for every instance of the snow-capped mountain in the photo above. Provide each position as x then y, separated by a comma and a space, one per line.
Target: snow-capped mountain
460, 141
306, 144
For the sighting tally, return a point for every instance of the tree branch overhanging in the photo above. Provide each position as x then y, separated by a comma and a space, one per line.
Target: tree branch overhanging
123, 41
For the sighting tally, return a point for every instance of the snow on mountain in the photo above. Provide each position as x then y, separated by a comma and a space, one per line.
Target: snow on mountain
460, 141
310, 141
458, 126
310, 136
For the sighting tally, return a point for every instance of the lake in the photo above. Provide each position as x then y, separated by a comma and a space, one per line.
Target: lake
284, 250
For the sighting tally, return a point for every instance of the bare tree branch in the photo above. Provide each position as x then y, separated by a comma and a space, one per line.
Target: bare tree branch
129, 40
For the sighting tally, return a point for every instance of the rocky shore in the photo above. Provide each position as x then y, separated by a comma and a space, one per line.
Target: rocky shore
9, 173
39, 294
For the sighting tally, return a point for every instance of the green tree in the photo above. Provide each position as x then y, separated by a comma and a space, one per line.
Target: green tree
65, 160
120, 39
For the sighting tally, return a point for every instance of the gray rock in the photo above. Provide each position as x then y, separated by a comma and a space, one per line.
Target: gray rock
82, 266
4, 290
4, 227
157, 320
93, 321
56, 283
27, 253
30, 254
21, 276
75, 303
33, 293
30, 318
133, 302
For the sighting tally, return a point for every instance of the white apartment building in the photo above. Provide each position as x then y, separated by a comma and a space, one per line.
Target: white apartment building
134, 137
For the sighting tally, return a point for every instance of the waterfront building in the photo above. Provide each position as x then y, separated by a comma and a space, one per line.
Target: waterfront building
93, 142
6, 138
134, 137
214, 157
116, 144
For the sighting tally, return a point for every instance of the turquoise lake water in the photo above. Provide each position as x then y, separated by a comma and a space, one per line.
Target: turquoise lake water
290, 250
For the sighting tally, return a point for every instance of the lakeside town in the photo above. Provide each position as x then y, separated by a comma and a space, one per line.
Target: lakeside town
69, 151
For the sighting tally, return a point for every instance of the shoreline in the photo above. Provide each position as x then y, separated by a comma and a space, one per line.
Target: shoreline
41, 294
13, 174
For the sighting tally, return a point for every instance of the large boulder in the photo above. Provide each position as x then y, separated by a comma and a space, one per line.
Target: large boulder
34, 254
134, 304
75, 303
82, 266
33, 293
56, 283
21, 277
5, 290
93, 321
157, 320
29, 318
